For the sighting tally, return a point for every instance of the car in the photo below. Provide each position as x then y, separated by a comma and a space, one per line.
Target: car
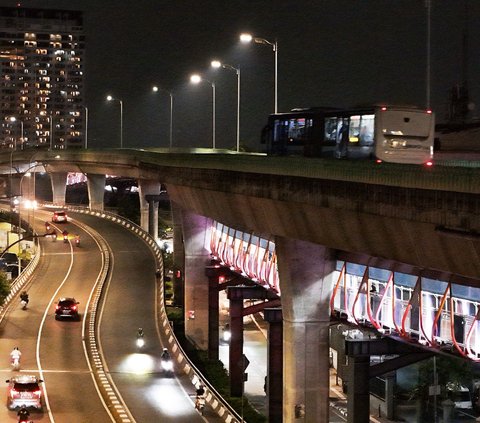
67, 307
60, 216
24, 390
10, 258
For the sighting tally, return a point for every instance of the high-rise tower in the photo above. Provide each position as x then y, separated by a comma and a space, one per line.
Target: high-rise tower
41, 78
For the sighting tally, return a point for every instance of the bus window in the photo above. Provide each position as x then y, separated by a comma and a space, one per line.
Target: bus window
354, 131
367, 128
331, 129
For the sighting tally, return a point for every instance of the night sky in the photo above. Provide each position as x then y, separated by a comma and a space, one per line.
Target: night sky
331, 53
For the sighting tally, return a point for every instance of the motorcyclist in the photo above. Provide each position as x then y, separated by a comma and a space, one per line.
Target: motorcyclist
47, 226
165, 355
200, 391
24, 296
200, 397
23, 414
77, 239
65, 236
140, 333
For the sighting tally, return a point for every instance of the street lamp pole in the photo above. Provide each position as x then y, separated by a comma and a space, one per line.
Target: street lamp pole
217, 64
155, 89
110, 98
196, 79
247, 38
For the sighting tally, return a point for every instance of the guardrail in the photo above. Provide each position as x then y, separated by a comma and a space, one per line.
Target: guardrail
213, 398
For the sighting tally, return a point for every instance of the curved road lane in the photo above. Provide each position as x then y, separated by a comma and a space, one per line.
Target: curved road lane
53, 349
130, 303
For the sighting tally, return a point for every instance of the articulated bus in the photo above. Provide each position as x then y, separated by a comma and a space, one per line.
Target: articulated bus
392, 134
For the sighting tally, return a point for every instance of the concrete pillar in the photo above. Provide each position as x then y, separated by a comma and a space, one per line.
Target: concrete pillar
358, 389
152, 201
213, 320
236, 367
178, 256
195, 233
146, 187
274, 382
390, 382
59, 187
305, 272
96, 191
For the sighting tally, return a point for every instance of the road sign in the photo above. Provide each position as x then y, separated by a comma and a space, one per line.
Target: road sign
434, 390
244, 362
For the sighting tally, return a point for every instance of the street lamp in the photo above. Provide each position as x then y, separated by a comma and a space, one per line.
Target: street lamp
156, 89
110, 98
217, 64
248, 38
196, 79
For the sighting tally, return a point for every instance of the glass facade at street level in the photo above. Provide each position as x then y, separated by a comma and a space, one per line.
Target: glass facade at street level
41, 78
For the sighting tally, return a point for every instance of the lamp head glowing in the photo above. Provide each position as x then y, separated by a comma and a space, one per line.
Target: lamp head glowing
109, 98
195, 79
216, 64
12, 118
154, 88
246, 38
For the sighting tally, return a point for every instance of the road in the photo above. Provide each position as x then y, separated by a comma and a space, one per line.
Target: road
55, 351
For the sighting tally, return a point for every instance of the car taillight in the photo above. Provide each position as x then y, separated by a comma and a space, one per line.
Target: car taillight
13, 393
37, 393
74, 308
57, 307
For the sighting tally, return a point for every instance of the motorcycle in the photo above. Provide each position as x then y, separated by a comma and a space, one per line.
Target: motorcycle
200, 404
16, 363
167, 366
226, 336
24, 303
140, 342
77, 241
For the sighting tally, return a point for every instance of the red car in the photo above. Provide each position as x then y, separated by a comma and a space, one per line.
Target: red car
24, 390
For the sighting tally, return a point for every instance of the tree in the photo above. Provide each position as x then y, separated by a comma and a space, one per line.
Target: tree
4, 287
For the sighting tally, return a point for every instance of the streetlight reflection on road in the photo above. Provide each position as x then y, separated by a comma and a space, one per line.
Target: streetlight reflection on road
166, 395
139, 364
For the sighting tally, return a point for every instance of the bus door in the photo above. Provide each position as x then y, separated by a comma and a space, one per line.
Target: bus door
360, 143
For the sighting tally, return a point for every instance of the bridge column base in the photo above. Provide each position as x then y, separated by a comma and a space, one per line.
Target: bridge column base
358, 391
274, 380
96, 191
305, 271
197, 257
59, 187
147, 187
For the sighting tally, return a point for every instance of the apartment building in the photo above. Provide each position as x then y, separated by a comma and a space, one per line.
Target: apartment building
42, 79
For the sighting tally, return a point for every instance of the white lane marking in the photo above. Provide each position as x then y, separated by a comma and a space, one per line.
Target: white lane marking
40, 330
84, 322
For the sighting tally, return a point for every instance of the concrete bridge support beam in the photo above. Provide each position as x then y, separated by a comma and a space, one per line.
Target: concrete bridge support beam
147, 187
274, 382
59, 187
96, 191
305, 272
197, 257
